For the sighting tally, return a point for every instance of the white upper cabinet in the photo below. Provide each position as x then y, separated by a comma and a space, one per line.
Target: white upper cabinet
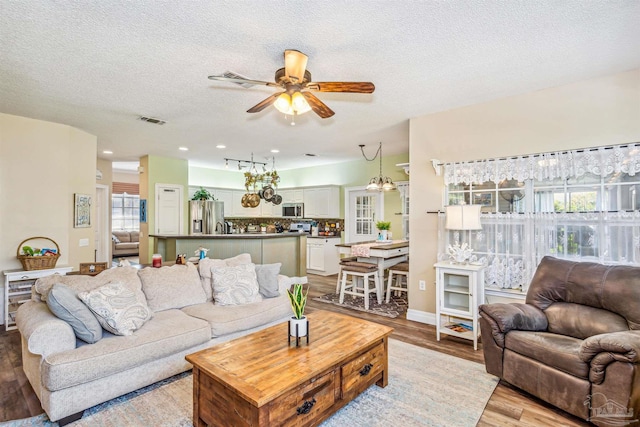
322, 202
319, 202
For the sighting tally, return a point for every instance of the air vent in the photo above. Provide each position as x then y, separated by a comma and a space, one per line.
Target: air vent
152, 120
232, 75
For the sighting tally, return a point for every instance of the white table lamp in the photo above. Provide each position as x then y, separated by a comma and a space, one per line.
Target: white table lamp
462, 217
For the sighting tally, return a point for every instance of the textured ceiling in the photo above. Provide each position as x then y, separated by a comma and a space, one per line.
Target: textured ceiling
98, 65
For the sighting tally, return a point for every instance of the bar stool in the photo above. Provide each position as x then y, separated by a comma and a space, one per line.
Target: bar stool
343, 261
401, 271
357, 271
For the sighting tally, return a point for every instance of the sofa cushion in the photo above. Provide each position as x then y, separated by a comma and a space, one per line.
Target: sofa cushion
123, 236
134, 236
558, 351
205, 265
267, 275
119, 309
235, 285
172, 287
169, 332
229, 319
64, 303
83, 283
583, 321
128, 246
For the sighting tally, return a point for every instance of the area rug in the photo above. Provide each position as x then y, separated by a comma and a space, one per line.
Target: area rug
426, 388
396, 306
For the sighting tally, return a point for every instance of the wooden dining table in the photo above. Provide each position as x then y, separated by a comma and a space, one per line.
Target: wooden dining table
382, 254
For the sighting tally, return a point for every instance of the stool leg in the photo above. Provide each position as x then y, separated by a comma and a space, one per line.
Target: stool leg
389, 283
338, 281
365, 285
344, 284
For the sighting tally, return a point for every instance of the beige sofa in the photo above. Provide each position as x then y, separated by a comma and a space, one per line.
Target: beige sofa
69, 375
125, 243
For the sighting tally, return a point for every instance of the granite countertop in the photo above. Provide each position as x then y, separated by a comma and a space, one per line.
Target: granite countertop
228, 236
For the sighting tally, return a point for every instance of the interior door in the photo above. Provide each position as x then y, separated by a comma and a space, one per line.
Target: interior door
364, 209
169, 209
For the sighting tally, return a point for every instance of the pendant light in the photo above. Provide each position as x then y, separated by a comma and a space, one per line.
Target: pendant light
380, 182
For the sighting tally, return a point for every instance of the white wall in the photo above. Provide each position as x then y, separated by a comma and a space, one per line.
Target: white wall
603, 111
42, 165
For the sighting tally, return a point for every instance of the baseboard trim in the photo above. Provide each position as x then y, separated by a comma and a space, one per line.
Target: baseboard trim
421, 316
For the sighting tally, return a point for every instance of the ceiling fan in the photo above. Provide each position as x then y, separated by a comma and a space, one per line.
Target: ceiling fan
296, 86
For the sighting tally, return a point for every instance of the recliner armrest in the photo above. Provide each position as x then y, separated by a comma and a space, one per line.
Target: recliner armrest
601, 350
507, 317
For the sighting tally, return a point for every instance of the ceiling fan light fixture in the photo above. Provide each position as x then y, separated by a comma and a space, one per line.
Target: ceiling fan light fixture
299, 103
283, 103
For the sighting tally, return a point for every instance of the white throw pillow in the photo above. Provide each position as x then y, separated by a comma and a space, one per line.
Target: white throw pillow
205, 265
119, 309
235, 285
172, 287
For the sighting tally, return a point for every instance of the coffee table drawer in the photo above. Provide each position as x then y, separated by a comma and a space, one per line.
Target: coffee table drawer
303, 405
362, 371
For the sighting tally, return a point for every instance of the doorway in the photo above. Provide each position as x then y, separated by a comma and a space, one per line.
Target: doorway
362, 210
102, 225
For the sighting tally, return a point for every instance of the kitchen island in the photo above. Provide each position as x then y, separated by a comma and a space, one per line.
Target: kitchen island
290, 249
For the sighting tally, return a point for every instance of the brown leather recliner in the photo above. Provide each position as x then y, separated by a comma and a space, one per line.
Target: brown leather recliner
576, 341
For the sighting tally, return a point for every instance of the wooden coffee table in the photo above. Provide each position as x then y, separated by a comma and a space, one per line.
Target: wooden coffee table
262, 380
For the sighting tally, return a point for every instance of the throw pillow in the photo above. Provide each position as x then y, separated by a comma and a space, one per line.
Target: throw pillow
172, 287
64, 303
267, 275
235, 285
119, 309
115, 238
205, 265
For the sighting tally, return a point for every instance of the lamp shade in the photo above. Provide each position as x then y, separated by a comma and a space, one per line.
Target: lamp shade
463, 217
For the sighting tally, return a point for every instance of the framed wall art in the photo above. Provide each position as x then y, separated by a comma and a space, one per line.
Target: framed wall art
82, 211
143, 210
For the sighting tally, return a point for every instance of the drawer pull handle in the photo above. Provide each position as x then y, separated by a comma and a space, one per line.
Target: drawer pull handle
366, 369
306, 406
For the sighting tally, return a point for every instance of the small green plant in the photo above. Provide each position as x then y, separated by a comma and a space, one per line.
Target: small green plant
298, 298
383, 225
202, 194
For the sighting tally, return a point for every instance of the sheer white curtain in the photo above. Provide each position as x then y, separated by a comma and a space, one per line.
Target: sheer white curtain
512, 244
601, 161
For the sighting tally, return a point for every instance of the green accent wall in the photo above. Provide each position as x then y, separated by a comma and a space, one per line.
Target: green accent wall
160, 170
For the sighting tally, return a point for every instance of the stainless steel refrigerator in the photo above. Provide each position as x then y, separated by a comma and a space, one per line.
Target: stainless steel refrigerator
206, 217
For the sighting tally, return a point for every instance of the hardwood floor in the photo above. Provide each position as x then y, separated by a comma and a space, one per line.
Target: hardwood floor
508, 406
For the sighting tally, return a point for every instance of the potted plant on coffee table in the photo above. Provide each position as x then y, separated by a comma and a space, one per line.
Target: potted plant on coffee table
298, 299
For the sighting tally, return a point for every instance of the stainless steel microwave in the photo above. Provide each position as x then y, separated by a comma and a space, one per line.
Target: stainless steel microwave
293, 210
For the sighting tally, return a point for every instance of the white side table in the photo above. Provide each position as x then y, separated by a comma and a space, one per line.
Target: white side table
460, 290
17, 290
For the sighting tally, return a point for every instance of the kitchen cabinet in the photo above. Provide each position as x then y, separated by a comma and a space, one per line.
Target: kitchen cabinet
225, 196
459, 291
322, 202
292, 195
238, 210
322, 255
17, 290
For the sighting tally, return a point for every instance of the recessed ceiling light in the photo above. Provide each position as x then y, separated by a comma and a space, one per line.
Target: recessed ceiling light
275, 151
221, 146
107, 152
183, 149
310, 155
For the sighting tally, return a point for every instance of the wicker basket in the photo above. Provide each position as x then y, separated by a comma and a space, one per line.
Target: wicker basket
43, 262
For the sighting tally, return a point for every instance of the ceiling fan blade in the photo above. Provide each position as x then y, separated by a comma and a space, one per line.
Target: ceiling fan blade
352, 87
264, 103
318, 107
295, 63
242, 81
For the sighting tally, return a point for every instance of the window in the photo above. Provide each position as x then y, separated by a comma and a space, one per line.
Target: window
580, 205
125, 212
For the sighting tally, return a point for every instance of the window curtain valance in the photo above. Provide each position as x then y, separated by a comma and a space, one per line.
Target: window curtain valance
601, 161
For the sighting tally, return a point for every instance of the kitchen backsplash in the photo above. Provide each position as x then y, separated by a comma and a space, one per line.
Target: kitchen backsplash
333, 226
